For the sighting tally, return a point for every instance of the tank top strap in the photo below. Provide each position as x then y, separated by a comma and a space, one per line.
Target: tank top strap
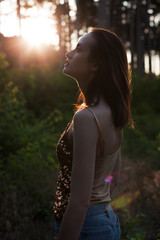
100, 130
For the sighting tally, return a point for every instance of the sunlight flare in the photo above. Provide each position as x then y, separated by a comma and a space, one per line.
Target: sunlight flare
125, 199
38, 31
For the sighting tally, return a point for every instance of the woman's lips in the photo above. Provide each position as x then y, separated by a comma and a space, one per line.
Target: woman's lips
66, 64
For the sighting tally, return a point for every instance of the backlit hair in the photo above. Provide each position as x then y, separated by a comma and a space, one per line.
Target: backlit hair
112, 80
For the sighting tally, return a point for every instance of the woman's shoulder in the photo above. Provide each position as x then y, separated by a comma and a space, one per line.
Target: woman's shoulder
83, 116
100, 110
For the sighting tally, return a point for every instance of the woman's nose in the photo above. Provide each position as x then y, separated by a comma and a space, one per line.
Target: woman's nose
68, 54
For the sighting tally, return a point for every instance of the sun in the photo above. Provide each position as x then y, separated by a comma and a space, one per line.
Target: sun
37, 23
38, 31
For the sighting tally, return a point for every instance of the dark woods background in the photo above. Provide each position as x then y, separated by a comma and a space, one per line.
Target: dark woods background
36, 104
137, 22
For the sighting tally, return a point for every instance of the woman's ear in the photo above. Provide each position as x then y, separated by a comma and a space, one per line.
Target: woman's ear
94, 66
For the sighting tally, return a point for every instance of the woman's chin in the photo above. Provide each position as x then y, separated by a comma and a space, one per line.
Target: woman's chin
67, 72
65, 69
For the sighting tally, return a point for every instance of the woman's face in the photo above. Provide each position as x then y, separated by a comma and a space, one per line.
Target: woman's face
77, 63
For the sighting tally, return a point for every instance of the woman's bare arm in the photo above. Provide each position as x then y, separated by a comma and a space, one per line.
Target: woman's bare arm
85, 138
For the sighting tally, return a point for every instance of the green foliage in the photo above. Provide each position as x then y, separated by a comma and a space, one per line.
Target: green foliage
146, 97
27, 162
3, 62
130, 227
143, 141
45, 89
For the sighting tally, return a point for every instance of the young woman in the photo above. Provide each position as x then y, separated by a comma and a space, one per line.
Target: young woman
89, 148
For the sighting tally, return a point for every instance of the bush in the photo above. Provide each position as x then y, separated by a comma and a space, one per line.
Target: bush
27, 165
143, 141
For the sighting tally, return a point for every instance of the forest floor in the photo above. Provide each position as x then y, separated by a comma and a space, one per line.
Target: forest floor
136, 201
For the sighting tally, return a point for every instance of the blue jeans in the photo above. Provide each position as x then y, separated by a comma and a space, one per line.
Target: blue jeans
100, 223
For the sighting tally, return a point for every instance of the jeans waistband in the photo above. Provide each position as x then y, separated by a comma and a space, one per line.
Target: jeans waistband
98, 208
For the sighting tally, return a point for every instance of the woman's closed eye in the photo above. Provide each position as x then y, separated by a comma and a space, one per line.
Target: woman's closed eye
78, 48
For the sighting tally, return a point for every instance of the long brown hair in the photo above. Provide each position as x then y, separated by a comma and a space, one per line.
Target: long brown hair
112, 80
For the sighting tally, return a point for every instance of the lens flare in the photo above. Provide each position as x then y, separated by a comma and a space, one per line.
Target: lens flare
108, 179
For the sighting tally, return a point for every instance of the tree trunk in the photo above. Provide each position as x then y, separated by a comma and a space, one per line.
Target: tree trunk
132, 34
78, 20
19, 15
69, 31
139, 42
20, 33
0, 18
149, 39
104, 14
